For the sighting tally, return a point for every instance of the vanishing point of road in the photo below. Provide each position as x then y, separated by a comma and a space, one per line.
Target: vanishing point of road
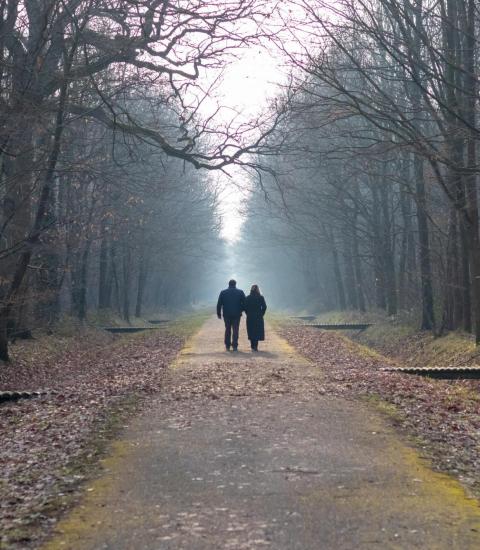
246, 451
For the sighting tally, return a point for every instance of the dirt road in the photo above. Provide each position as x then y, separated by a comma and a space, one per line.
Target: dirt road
245, 451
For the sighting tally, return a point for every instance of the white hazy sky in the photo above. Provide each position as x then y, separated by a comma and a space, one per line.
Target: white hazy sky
246, 86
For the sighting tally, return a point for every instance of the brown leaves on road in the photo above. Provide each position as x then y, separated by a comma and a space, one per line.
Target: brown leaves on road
46, 440
217, 380
445, 415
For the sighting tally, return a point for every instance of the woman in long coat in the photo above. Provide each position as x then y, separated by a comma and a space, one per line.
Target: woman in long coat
255, 308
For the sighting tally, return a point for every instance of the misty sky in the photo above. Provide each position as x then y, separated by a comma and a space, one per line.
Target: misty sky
246, 87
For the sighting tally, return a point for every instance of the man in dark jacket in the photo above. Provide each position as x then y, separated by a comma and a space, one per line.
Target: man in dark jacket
232, 301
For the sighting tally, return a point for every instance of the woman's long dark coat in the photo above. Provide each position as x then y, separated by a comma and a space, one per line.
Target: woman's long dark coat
255, 308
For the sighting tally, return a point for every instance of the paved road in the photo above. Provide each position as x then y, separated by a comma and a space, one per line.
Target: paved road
246, 451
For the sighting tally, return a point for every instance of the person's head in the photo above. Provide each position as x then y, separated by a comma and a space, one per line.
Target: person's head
255, 290
232, 283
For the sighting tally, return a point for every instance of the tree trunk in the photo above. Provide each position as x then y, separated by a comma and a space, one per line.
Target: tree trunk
126, 282
4, 352
471, 177
49, 264
351, 286
458, 315
357, 265
39, 225
448, 316
407, 263
377, 247
342, 303
23, 207
103, 279
388, 256
114, 275
428, 318
465, 249
79, 286
142, 280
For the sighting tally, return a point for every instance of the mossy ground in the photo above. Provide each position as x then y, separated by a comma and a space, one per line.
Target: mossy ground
400, 339
187, 325
439, 417
50, 348
86, 466
405, 345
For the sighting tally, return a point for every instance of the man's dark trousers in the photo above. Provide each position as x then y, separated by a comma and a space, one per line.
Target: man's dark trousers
232, 324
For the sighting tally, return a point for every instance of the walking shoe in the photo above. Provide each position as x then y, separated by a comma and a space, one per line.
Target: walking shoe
235, 348
227, 348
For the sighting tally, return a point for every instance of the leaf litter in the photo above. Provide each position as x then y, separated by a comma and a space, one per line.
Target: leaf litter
442, 415
46, 440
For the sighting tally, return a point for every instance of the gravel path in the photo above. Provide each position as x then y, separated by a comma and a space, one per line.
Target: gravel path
247, 451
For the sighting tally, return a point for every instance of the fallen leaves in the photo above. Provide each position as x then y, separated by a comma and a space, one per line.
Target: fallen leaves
217, 380
44, 439
445, 415
95, 376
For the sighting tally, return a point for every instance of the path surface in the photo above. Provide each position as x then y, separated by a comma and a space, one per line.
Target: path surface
246, 451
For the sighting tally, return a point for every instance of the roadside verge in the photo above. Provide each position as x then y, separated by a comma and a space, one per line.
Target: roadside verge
51, 445
442, 417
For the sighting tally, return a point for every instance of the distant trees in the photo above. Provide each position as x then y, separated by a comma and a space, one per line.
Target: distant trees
94, 97
378, 174
370, 160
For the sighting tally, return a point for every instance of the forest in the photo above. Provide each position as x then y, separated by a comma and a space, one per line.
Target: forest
362, 166
103, 203
323, 156
373, 191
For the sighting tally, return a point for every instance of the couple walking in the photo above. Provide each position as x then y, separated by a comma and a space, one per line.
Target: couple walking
233, 302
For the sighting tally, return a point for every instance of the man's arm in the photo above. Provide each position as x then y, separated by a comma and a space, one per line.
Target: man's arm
243, 301
219, 306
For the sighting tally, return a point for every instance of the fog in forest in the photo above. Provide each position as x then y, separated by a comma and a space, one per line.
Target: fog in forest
344, 135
